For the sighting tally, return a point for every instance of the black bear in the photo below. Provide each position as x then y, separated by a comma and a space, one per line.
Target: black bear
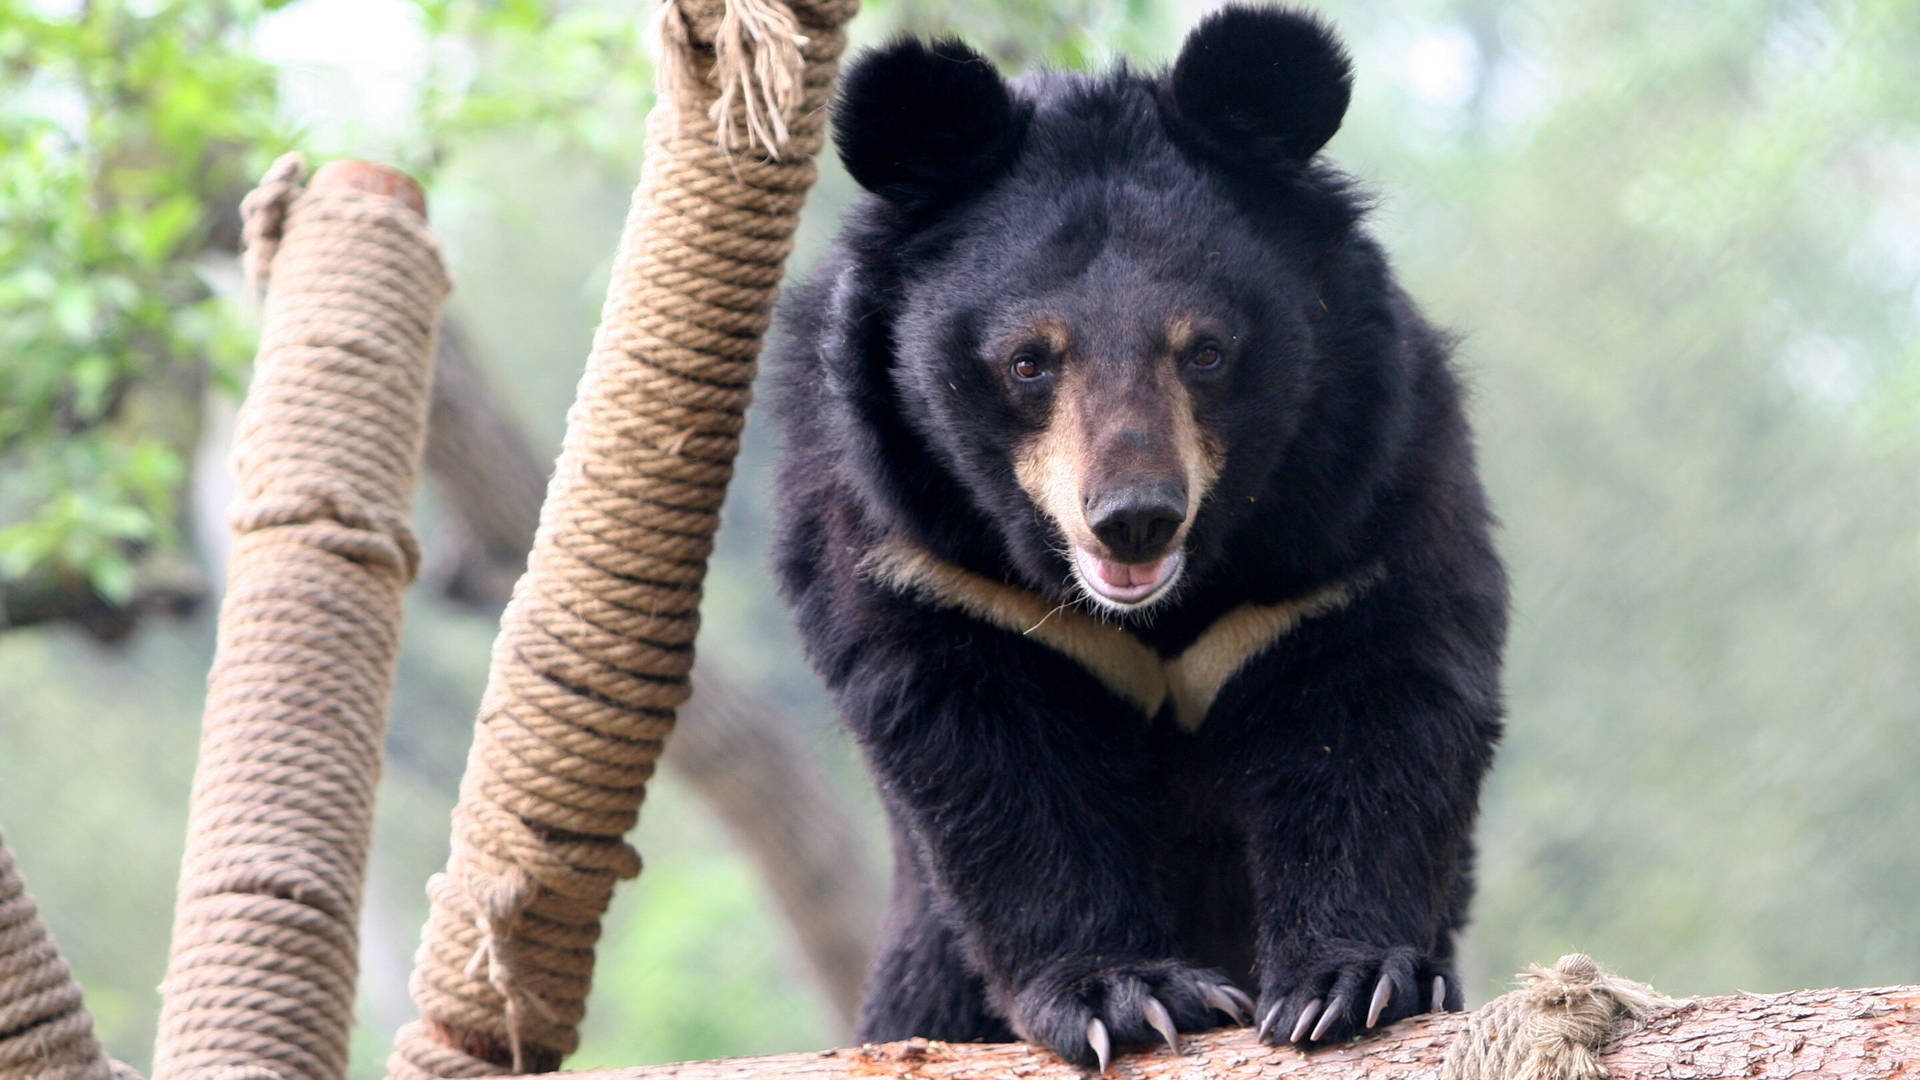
1129, 512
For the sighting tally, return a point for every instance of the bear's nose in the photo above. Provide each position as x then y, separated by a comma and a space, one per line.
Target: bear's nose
1137, 523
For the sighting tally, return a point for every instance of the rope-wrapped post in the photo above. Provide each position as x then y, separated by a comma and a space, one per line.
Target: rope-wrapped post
594, 648
326, 451
45, 1029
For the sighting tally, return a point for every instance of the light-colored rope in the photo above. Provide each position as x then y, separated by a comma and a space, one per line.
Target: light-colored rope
1553, 1027
260, 981
757, 66
594, 648
45, 1030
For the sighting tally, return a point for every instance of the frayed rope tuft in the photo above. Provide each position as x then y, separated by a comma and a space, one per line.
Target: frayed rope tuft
1553, 1027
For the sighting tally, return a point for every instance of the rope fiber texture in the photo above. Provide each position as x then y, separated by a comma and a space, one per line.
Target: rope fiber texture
327, 448
45, 1029
1553, 1027
594, 648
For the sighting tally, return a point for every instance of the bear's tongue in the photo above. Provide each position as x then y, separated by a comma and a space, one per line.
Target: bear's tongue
1129, 575
1125, 583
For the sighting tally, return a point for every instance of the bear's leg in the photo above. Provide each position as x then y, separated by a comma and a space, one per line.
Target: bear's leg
919, 983
1033, 796
1357, 791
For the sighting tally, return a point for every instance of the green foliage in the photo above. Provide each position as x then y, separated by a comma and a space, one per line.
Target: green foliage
124, 128
573, 78
127, 501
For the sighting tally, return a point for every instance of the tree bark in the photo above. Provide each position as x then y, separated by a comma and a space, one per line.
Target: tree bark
1856, 1034
483, 465
164, 582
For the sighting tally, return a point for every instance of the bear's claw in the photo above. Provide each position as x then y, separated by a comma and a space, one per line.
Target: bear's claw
1097, 1039
1159, 1020
1358, 988
1307, 1016
1088, 1009
1335, 1009
1232, 1001
1382, 993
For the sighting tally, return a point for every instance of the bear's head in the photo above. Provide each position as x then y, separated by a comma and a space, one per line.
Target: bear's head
1091, 322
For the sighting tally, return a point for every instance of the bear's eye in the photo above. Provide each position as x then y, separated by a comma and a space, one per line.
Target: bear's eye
1205, 355
1027, 365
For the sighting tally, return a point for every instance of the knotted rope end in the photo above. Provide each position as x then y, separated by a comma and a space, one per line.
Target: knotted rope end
755, 60
263, 213
1577, 982
491, 892
1553, 1027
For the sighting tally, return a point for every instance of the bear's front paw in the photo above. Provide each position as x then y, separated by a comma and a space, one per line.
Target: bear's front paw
1082, 1009
1343, 987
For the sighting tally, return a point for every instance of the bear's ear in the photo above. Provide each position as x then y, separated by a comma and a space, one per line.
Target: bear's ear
916, 122
1262, 86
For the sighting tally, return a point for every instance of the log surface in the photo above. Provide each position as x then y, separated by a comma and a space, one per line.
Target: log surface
1869, 1034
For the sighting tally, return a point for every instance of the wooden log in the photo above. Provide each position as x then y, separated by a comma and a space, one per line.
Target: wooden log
1869, 1034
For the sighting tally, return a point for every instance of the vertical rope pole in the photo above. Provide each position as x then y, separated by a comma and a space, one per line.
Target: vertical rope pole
261, 976
592, 657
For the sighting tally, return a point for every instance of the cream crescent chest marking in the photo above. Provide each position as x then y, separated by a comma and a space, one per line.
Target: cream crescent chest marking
1134, 672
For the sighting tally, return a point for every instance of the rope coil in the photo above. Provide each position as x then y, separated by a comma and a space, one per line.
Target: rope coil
1553, 1027
370, 535
594, 649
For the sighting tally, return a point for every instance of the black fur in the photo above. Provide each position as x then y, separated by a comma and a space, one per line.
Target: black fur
1261, 88
1059, 855
917, 122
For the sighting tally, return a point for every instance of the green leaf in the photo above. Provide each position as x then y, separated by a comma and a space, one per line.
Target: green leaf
73, 308
160, 233
112, 578
92, 377
124, 522
23, 547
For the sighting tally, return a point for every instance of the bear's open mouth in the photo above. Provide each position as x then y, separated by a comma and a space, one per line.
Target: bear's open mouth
1125, 585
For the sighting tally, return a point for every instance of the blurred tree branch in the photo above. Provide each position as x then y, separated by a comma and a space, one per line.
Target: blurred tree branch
485, 469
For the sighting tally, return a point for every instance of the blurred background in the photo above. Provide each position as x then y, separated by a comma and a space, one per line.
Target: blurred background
1681, 246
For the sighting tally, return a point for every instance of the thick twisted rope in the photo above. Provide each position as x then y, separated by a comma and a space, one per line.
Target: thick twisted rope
1553, 1027
594, 648
261, 977
45, 1030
